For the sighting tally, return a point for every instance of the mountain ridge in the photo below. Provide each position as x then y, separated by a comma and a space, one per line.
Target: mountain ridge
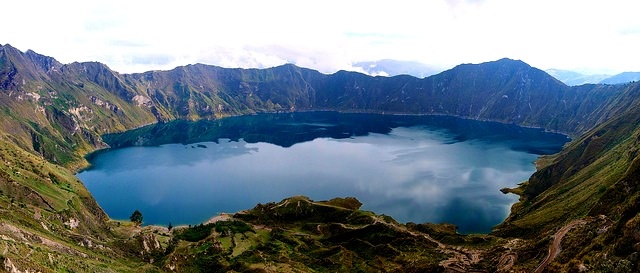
572, 78
313, 80
621, 78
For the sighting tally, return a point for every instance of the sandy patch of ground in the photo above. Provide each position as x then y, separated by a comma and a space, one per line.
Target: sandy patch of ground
218, 218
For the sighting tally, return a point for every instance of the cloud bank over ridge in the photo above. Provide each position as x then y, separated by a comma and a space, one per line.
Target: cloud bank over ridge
135, 36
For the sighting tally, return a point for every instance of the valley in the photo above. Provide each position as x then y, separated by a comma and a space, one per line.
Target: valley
54, 114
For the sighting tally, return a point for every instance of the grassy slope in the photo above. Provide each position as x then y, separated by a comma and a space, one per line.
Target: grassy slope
50, 223
594, 178
576, 179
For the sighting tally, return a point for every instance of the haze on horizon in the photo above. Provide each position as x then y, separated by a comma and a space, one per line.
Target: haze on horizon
136, 36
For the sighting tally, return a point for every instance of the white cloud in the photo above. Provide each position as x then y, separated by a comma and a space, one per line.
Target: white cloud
327, 35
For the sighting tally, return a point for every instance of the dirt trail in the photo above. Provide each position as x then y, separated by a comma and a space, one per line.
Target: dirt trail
509, 258
461, 258
554, 248
507, 261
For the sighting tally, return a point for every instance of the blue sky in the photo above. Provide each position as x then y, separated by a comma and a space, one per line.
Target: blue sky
135, 36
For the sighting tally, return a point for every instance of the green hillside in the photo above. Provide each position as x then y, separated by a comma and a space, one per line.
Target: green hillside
595, 178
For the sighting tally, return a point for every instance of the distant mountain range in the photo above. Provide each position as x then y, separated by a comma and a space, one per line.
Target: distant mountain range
389, 67
623, 77
572, 78
53, 114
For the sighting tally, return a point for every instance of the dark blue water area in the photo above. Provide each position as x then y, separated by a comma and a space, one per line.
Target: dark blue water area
413, 168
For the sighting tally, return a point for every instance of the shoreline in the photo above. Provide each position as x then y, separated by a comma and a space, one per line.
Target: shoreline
226, 216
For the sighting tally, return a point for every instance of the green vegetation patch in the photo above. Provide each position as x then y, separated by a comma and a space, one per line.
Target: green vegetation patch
202, 231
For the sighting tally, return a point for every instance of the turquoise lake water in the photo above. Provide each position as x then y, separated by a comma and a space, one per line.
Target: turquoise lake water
413, 168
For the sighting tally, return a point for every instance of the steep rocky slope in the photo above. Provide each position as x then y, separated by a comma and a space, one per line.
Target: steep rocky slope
59, 111
594, 179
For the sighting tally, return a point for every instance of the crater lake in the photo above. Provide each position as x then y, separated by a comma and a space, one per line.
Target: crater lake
413, 168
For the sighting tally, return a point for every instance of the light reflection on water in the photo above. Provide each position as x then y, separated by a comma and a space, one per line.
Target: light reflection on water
413, 174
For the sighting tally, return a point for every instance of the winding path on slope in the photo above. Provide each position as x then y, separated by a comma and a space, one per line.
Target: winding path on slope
461, 258
554, 248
